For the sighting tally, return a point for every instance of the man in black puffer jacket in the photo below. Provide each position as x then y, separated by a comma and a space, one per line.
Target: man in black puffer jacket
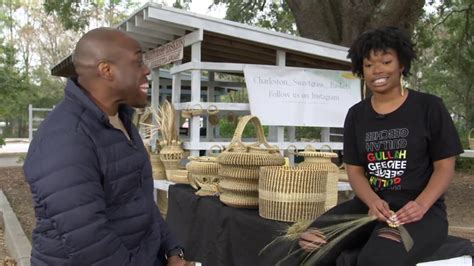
88, 170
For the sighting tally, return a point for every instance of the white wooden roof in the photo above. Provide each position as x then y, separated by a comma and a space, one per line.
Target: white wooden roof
223, 41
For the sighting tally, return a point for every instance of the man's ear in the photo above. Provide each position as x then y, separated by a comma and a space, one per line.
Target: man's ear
104, 70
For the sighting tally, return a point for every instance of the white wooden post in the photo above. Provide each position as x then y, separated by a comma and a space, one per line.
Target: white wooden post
176, 85
195, 97
30, 122
325, 134
155, 100
210, 98
281, 62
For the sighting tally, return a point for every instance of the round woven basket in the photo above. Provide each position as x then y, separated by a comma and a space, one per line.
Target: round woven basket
203, 175
321, 161
239, 165
291, 194
248, 172
178, 176
236, 185
239, 200
208, 185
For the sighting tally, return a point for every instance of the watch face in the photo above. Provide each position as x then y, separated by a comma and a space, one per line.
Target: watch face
175, 252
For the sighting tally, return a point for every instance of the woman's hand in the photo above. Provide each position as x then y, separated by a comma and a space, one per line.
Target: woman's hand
311, 239
411, 212
380, 209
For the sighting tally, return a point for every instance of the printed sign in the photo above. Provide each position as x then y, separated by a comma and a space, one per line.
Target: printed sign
165, 54
285, 96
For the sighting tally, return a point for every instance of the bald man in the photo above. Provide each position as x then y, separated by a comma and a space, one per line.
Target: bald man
88, 169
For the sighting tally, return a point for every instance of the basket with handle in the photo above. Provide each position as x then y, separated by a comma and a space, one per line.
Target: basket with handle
471, 139
291, 194
240, 165
321, 161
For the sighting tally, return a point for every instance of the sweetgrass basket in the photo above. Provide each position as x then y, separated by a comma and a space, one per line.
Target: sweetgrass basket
291, 194
240, 163
321, 161
179, 176
203, 175
171, 156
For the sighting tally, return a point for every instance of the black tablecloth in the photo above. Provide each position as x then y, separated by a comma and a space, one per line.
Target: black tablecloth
215, 234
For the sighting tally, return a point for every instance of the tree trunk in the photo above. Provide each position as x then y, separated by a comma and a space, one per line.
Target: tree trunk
341, 21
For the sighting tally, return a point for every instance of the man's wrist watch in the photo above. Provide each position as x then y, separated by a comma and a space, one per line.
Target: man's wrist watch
175, 252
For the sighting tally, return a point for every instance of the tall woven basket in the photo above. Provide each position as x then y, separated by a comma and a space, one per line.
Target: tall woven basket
291, 194
203, 175
157, 166
171, 156
240, 165
321, 161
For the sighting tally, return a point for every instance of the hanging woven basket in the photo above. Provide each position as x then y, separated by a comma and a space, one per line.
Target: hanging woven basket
291, 194
321, 161
240, 163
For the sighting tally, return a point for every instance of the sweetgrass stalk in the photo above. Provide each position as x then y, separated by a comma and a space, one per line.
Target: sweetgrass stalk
333, 234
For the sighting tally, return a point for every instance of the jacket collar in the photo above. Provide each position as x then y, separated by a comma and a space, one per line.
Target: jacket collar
77, 94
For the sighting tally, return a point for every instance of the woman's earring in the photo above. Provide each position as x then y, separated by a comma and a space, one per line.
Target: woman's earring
402, 91
364, 89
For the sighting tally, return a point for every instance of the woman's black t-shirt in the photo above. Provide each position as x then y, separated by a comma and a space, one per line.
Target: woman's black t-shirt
398, 149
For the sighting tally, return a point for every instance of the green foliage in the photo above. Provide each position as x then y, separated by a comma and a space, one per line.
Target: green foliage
274, 15
446, 65
182, 4
72, 13
77, 14
227, 129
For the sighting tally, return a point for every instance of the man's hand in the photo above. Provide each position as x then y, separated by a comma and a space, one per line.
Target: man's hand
411, 212
380, 209
311, 239
176, 261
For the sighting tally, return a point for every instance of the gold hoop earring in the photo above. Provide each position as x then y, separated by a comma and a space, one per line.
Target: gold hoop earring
402, 91
364, 90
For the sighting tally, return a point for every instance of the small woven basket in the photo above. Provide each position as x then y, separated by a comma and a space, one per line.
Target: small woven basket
321, 161
171, 156
291, 194
240, 163
202, 175
178, 176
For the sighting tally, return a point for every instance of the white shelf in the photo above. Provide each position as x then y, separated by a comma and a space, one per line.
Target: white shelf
220, 106
282, 145
467, 154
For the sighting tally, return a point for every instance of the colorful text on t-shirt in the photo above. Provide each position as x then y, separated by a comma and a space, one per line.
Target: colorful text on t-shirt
387, 158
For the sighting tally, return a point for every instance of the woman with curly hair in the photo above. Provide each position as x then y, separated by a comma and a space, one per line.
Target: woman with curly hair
399, 148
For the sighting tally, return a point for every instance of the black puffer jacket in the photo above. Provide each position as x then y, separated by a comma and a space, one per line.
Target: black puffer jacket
93, 190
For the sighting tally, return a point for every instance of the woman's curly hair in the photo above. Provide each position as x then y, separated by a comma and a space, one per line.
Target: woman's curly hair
380, 40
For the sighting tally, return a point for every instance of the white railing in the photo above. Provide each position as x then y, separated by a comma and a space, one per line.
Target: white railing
32, 118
